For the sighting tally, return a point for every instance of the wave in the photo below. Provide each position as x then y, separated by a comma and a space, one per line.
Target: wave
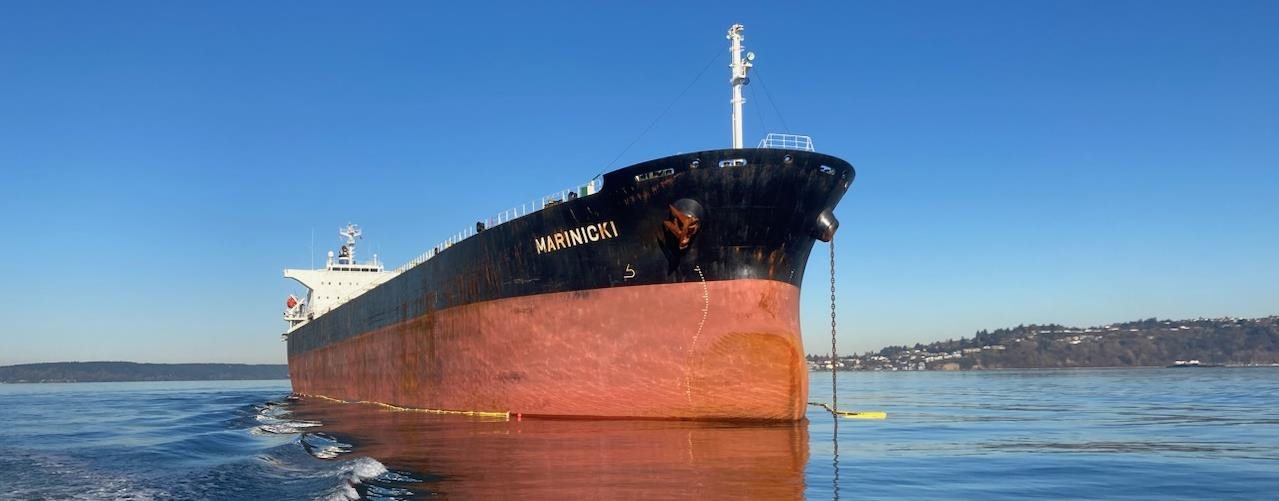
202, 443
42, 475
353, 474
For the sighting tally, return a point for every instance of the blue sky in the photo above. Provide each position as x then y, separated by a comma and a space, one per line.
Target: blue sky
1018, 162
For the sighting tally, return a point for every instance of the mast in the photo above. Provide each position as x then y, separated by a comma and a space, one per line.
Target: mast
351, 232
739, 68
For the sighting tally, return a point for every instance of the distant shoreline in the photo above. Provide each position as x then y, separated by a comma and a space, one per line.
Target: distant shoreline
123, 372
144, 381
1225, 341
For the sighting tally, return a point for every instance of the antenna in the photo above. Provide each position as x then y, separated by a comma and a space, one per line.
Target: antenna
739, 68
352, 233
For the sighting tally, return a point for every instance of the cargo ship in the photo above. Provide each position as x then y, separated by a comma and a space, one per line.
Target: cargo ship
668, 289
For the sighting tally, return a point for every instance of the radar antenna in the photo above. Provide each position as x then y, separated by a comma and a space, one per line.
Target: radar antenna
352, 233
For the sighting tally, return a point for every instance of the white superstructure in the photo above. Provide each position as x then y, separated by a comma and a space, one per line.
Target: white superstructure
342, 278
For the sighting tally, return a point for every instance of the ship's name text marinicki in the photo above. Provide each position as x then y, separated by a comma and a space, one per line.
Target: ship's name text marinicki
590, 233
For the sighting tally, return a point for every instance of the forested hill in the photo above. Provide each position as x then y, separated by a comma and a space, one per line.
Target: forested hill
84, 372
1149, 342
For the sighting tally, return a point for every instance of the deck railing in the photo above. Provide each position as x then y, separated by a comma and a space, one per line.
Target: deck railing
786, 142
589, 188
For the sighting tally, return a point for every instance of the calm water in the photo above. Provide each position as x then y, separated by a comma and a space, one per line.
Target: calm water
1140, 433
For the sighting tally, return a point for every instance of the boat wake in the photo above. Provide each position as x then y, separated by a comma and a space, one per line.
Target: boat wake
194, 445
354, 478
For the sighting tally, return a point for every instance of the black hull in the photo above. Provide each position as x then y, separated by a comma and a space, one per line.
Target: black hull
757, 221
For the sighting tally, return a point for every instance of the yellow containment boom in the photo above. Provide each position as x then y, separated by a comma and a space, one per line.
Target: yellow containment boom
875, 415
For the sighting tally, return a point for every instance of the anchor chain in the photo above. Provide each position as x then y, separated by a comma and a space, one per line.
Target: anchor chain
833, 408
833, 357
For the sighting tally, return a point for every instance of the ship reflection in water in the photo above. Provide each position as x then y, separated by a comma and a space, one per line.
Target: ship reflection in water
469, 456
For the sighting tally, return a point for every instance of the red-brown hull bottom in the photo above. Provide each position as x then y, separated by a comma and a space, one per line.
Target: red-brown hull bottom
701, 350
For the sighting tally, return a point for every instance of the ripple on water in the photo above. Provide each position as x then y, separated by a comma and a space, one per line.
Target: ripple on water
1142, 433
41, 475
174, 440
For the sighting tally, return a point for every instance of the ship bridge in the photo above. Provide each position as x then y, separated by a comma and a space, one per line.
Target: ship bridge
341, 279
